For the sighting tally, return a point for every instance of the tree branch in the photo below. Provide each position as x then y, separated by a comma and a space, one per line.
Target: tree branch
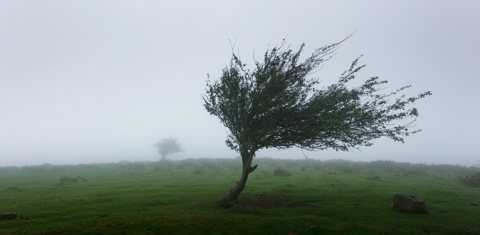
251, 169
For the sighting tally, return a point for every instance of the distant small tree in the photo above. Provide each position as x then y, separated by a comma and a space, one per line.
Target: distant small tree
278, 105
168, 146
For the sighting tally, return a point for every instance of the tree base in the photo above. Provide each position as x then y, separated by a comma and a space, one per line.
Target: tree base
227, 203
230, 200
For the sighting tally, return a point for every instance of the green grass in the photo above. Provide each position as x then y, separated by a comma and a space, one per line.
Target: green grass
331, 197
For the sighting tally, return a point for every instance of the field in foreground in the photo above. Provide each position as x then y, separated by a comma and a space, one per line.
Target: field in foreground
281, 197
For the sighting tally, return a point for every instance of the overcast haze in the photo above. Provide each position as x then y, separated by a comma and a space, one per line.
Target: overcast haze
101, 81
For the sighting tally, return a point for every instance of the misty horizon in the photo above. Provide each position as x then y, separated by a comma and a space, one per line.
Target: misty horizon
99, 82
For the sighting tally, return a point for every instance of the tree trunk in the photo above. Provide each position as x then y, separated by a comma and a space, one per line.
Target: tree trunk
231, 199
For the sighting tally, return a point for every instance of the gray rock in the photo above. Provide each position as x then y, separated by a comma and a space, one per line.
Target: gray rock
471, 229
409, 203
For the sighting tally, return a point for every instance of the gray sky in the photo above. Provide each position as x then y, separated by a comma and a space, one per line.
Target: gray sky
101, 81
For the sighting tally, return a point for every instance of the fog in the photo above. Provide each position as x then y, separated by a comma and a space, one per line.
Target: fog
102, 81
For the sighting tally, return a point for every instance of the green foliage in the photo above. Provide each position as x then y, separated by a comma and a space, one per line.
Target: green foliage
278, 105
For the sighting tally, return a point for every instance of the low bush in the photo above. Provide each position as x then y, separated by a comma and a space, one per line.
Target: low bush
472, 179
305, 168
198, 170
374, 178
281, 172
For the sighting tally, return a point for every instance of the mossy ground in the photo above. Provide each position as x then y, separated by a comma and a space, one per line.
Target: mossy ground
181, 197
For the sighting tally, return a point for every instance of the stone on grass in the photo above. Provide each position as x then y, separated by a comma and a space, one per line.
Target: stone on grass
409, 203
8, 216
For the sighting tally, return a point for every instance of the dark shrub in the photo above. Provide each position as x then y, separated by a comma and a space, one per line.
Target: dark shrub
304, 168
472, 179
198, 170
374, 178
281, 172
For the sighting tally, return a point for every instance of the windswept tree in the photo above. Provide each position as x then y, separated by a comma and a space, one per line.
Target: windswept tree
277, 104
168, 146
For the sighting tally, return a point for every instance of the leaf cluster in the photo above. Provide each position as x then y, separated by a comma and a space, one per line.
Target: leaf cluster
278, 104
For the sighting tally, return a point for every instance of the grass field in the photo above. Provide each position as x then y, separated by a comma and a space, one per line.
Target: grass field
281, 197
